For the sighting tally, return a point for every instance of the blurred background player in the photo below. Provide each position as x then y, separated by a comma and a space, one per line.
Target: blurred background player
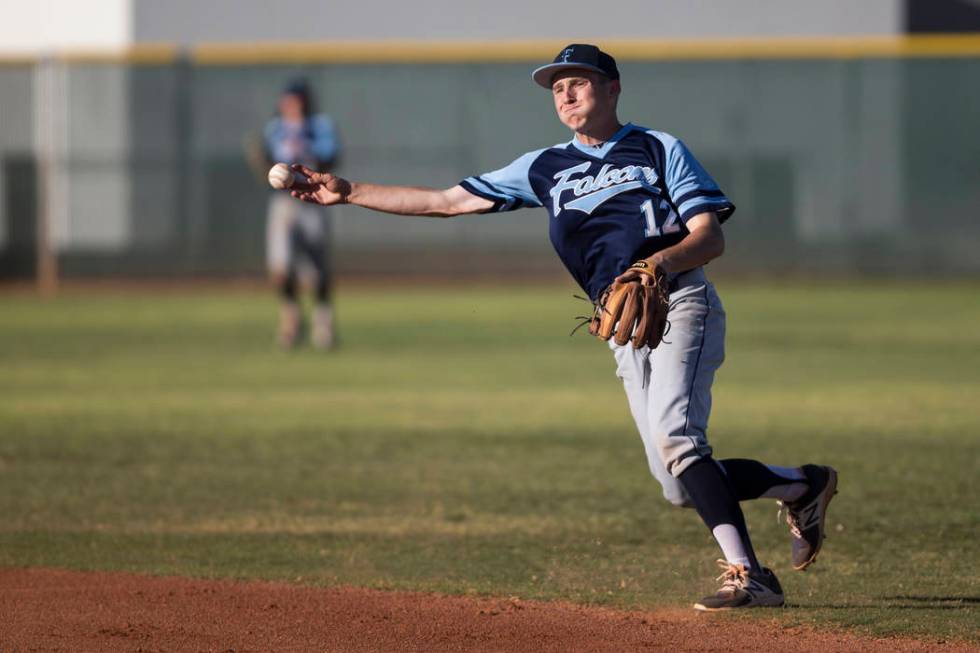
297, 234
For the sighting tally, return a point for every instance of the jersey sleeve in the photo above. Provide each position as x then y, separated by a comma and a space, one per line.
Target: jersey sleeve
691, 188
325, 145
509, 188
271, 139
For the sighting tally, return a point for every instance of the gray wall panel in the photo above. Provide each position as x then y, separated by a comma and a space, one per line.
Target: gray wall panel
189, 21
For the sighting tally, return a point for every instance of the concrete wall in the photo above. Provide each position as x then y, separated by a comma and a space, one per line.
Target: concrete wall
192, 21
42, 25
37, 26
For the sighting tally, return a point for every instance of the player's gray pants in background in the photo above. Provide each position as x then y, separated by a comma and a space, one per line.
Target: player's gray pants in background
296, 235
669, 388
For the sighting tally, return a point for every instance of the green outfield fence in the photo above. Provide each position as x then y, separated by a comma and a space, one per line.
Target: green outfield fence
842, 155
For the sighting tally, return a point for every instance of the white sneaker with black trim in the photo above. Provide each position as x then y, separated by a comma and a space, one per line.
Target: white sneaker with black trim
322, 336
743, 588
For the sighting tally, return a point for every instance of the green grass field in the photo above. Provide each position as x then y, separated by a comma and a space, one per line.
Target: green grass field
460, 442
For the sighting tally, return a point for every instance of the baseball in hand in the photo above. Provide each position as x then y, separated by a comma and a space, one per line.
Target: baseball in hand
280, 176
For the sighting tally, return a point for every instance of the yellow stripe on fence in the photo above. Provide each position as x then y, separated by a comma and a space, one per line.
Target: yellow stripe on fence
396, 51
869, 47
143, 54
393, 52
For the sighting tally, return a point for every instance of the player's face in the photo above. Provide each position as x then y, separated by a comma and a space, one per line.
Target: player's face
583, 97
291, 107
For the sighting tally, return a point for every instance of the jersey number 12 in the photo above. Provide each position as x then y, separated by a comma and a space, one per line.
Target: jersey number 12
670, 225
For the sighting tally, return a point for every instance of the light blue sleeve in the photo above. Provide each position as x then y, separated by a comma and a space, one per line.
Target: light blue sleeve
270, 134
509, 188
691, 188
325, 145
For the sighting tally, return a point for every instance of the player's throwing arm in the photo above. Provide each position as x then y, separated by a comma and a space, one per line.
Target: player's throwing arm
328, 189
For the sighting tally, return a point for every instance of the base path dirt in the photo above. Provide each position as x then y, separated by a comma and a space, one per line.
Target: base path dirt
56, 610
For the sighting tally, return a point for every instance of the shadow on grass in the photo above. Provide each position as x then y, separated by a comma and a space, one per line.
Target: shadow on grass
900, 602
933, 599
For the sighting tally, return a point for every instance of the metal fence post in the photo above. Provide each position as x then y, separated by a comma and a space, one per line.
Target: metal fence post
49, 104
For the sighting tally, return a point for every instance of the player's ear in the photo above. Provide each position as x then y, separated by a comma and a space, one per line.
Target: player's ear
615, 89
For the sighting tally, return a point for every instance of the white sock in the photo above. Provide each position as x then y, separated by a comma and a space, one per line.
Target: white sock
791, 473
731, 545
786, 493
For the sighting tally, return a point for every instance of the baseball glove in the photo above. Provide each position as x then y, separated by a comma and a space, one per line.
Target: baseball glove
631, 310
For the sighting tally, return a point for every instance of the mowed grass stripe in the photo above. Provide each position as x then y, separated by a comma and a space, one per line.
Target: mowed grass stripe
459, 441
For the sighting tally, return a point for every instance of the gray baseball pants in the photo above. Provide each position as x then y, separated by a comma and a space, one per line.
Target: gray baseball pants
669, 388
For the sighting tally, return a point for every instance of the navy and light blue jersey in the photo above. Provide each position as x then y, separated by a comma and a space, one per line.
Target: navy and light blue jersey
610, 205
311, 143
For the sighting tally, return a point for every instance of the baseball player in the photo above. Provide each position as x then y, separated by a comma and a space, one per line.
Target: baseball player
628, 203
296, 233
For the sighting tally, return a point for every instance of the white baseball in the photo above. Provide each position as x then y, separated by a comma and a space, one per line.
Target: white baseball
280, 176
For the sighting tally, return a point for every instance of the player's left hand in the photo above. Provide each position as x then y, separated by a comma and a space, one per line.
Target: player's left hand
646, 271
634, 307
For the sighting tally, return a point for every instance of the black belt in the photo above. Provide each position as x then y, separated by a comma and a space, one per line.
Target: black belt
675, 283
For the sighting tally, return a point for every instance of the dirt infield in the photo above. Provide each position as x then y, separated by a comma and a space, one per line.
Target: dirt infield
55, 610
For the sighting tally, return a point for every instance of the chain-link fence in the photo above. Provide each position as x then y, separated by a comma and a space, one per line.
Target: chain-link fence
848, 165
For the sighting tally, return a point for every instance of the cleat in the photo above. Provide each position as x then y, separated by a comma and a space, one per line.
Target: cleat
290, 325
807, 516
743, 588
322, 336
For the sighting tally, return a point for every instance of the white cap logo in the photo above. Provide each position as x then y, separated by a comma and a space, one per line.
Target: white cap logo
566, 53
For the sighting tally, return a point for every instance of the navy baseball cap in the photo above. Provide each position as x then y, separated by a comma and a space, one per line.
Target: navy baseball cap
297, 86
577, 55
